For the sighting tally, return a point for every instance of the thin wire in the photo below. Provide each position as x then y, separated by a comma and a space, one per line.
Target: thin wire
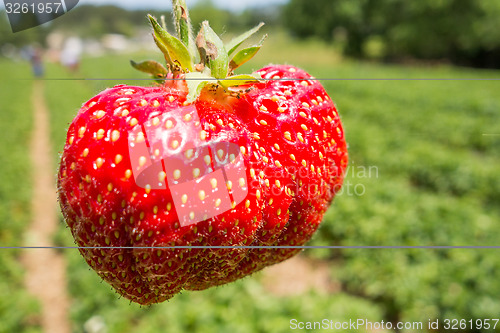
264, 247
263, 79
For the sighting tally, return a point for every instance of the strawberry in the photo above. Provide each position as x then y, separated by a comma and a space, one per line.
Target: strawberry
157, 184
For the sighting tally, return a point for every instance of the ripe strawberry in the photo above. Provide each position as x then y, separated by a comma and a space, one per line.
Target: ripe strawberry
157, 183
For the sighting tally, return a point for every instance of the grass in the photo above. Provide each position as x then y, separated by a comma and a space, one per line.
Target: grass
434, 181
437, 184
18, 310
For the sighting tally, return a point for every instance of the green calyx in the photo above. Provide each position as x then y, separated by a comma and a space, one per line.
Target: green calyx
201, 61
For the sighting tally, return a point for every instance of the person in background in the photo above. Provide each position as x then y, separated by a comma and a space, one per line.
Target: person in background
36, 60
70, 55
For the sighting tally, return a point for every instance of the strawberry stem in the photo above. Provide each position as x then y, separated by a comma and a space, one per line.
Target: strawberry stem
202, 61
183, 26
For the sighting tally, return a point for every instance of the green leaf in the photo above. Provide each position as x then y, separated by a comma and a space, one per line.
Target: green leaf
195, 82
174, 50
151, 67
233, 44
239, 80
212, 51
244, 55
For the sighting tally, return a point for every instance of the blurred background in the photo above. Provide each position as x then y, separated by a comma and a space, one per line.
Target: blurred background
417, 85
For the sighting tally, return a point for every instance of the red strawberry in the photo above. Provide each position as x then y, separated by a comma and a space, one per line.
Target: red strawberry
156, 183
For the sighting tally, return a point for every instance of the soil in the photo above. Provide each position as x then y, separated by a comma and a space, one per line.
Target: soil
45, 268
297, 276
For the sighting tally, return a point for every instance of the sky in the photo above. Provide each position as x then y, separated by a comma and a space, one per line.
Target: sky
235, 5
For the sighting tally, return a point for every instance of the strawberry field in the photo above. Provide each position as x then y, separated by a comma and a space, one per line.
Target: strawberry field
18, 309
424, 170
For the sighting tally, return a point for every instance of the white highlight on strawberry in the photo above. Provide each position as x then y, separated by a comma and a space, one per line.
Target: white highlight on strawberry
199, 174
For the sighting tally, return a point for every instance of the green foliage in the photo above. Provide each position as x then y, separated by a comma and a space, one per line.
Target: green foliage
436, 184
18, 310
464, 31
427, 169
431, 179
206, 10
243, 306
222, 20
310, 18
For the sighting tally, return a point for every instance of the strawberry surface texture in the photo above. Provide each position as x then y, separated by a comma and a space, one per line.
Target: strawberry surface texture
291, 142
204, 178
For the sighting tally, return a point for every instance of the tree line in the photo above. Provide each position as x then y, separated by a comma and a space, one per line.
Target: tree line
465, 32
